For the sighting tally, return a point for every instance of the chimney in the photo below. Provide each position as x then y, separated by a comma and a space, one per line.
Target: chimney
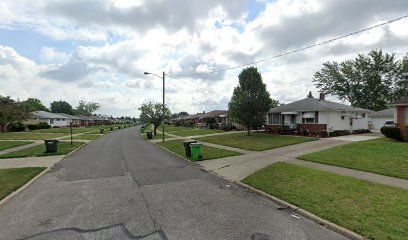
322, 96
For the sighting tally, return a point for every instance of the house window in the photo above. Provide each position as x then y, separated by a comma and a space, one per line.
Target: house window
274, 118
310, 117
51, 121
363, 115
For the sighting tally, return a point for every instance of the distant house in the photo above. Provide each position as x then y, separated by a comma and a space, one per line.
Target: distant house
220, 117
316, 115
84, 121
400, 111
53, 119
76, 120
378, 119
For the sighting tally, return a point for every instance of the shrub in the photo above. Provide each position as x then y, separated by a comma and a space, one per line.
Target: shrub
16, 127
43, 125
391, 132
337, 133
359, 131
32, 127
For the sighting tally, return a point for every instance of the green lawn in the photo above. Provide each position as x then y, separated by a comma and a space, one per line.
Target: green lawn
372, 210
382, 156
158, 136
84, 137
29, 136
194, 132
63, 130
177, 147
63, 148
256, 141
10, 144
13, 178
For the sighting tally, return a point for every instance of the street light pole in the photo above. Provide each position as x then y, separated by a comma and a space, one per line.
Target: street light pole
163, 77
163, 106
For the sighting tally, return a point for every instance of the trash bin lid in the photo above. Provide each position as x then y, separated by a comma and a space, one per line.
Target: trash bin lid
195, 144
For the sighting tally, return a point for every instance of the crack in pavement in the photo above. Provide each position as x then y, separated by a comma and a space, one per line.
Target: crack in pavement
116, 231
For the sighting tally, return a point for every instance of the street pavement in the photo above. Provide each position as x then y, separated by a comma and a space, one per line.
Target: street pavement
123, 187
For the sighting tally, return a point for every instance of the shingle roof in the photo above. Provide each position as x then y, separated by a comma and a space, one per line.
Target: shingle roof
48, 115
69, 116
214, 113
401, 101
386, 113
315, 104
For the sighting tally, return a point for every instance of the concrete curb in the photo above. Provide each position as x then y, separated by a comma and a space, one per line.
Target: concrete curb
332, 226
16, 192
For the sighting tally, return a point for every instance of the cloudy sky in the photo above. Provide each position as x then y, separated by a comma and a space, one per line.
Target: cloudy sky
97, 50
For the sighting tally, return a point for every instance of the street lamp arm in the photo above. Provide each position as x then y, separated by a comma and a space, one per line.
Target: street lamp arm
148, 73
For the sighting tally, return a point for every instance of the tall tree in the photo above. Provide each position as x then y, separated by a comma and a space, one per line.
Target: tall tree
10, 111
369, 81
153, 113
250, 101
86, 108
34, 104
310, 95
61, 107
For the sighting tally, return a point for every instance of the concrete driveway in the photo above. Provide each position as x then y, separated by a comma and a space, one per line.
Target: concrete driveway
122, 187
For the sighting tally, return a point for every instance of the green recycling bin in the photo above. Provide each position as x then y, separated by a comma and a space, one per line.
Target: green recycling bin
196, 151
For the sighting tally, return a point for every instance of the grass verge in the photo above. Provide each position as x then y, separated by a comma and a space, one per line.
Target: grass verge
382, 156
29, 136
256, 141
37, 151
208, 153
10, 144
13, 178
372, 210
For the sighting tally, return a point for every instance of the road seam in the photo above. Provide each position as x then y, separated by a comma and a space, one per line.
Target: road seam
16, 192
332, 226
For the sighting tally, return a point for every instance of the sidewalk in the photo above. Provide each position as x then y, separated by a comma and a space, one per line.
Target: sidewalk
48, 161
9, 150
237, 168
175, 137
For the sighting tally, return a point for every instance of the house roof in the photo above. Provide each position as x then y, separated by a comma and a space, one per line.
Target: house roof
403, 101
82, 117
194, 116
386, 113
214, 113
47, 115
315, 104
69, 116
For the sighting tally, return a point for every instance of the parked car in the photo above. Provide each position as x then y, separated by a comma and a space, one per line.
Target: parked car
389, 123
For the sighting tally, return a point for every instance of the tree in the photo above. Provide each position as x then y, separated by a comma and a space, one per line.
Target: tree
86, 108
310, 95
181, 114
369, 81
34, 104
250, 101
10, 111
153, 113
61, 107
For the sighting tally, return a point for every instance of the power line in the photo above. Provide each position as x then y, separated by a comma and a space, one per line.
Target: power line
294, 51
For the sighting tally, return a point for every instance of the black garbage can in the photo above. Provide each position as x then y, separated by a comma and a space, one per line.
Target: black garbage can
111, 129
187, 148
118, 127
149, 135
101, 130
51, 146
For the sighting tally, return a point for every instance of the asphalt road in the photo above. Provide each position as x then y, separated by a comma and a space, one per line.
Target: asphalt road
122, 187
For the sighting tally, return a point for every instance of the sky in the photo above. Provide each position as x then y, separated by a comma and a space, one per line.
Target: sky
97, 50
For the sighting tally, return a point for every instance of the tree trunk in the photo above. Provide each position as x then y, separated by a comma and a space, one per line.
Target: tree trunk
249, 130
154, 129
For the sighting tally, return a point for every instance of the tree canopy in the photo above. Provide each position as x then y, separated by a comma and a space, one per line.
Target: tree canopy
250, 101
153, 113
368, 81
310, 95
86, 108
34, 104
61, 107
11, 111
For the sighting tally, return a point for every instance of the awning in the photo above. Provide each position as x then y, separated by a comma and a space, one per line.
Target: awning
308, 115
289, 113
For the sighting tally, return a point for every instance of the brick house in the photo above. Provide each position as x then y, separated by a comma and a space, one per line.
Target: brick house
316, 115
401, 114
